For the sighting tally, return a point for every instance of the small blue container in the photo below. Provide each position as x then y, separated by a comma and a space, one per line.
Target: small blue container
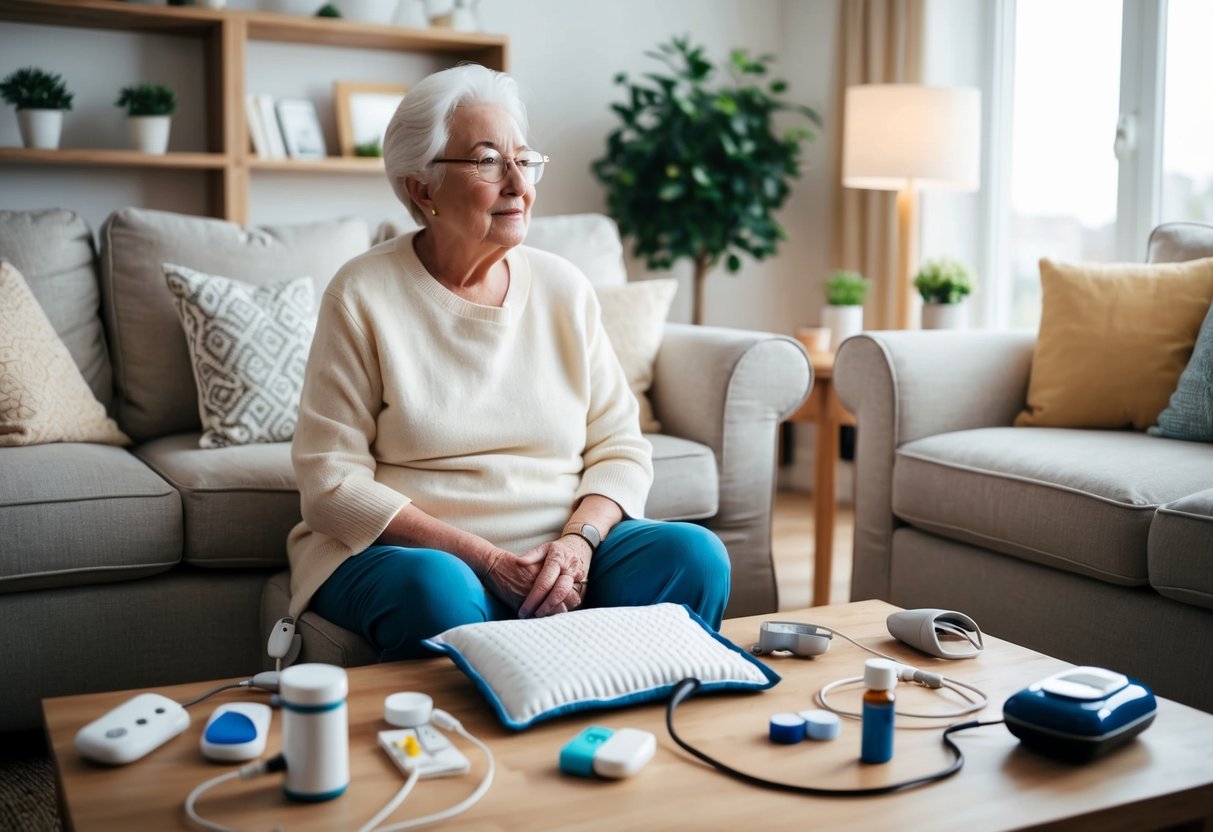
1080, 714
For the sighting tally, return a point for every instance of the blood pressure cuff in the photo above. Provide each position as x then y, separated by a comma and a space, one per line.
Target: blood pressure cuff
535, 669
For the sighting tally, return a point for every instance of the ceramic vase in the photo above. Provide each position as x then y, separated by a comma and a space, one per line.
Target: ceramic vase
149, 134
945, 316
40, 128
843, 322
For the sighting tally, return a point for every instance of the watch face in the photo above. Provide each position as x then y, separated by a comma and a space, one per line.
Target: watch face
591, 535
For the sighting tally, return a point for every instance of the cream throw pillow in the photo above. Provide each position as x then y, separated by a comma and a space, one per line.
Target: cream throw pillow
43, 397
1114, 339
249, 347
633, 316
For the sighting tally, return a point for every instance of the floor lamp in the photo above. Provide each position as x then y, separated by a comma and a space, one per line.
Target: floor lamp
905, 138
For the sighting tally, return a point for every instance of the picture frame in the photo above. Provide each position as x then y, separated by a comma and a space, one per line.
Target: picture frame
301, 130
363, 111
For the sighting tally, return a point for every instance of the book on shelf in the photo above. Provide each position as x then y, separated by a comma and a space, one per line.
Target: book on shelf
256, 127
275, 146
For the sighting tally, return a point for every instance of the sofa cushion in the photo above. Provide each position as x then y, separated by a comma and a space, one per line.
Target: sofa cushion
1175, 242
239, 502
633, 316
1078, 500
53, 250
1189, 413
43, 397
156, 393
1180, 555
73, 514
684, 480
590, 241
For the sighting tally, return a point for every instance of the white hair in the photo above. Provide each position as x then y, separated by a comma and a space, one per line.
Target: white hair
420, 129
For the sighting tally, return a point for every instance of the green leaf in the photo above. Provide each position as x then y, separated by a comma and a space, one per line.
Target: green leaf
670, 191
733, 263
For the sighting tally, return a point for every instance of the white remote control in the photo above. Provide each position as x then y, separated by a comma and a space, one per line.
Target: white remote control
132, 730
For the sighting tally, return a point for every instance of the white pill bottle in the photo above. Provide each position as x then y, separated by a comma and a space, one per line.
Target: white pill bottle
315, 731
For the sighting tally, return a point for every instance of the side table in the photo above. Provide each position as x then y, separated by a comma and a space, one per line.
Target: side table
824, 410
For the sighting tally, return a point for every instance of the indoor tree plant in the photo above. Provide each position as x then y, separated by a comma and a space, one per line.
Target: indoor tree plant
40, 98
943, 284
843, 313
696, 169
150, 109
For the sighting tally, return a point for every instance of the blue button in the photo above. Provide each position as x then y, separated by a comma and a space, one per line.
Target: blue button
231, 728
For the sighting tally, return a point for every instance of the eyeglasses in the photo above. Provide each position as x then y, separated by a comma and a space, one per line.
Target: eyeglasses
491, 167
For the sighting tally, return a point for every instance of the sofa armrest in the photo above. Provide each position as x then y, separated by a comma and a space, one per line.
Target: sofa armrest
903, 386
729, 389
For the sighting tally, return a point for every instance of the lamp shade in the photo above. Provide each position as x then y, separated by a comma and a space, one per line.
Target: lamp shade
900, 135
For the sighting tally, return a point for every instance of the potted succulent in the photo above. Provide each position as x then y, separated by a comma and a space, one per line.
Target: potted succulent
697, 168
943, 284
843, 312
150, 109
40, 98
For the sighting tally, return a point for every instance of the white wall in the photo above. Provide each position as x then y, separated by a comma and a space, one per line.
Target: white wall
564, 55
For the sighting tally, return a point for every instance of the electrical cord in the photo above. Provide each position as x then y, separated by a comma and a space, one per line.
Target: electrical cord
447, 722
255, 769
266, 680
687, 688
906, 673
394, 803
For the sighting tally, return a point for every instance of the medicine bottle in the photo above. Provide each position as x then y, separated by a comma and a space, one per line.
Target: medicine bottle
879, 677
315, 731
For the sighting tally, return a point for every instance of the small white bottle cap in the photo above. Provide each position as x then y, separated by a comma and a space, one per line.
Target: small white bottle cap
313, 684
879, 674
408, 709
821, 725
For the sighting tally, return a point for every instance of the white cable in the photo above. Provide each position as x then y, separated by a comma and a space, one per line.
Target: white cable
243, 773
444, 720
394, 803
906, 673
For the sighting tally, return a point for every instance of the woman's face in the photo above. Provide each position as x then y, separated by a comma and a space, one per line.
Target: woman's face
481, 213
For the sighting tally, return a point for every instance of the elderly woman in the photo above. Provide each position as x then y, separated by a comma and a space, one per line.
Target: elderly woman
468, 448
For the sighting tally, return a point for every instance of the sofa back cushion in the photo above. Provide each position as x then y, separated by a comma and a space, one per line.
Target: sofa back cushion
155, 380
590, 241
54, 252
1175, 242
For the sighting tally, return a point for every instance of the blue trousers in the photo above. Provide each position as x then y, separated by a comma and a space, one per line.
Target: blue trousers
396, 596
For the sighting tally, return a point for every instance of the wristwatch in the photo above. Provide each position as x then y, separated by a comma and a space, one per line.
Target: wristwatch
587, 533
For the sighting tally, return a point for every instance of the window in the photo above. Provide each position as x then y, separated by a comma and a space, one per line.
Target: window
1187, 149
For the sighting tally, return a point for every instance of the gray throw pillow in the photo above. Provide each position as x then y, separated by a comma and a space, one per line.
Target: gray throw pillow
248, 346
1189, 413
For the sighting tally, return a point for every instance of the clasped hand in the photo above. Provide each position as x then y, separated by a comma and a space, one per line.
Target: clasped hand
546, 580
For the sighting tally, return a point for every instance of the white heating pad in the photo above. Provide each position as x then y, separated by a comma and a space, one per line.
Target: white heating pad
535, 669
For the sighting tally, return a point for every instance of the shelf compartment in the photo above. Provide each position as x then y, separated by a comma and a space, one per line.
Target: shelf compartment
330, 164
107, 14
85, 157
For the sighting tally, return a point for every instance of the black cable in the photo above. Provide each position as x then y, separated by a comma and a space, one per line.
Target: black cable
687, 687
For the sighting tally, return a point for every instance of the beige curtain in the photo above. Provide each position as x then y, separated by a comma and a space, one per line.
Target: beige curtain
881, 43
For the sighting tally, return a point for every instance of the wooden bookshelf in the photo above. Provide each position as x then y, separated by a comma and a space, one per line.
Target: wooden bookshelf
227, 32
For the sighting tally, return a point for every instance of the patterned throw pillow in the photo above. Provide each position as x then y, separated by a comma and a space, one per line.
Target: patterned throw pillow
43, 397
249, 346
1189, 414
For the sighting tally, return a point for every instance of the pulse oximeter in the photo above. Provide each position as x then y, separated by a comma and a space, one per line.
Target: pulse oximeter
1080, 714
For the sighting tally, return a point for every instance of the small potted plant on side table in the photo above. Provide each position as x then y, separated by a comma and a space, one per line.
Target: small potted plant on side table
40, 98
843, 313
943, 284
150, 109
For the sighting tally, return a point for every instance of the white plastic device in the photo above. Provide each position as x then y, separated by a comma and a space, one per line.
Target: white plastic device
438, 758
132, 730
408, 709
626, 752
284, 643
236, 731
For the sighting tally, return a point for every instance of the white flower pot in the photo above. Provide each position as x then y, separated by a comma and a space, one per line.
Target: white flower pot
945, 316
149, 134
843, 321
40, 128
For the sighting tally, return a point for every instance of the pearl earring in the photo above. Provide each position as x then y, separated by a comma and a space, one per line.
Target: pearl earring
434, 212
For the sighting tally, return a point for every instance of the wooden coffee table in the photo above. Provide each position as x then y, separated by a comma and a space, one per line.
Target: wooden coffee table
1163, 778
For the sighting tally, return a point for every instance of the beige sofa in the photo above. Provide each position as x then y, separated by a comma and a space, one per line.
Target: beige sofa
146, 566
1094, 546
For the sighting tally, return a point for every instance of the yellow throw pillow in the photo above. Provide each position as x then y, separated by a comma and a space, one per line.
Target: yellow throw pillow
633, 316
43, 397
1114, 339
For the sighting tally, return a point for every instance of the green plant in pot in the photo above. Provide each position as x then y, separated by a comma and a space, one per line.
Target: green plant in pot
149, 109
696, 170
843, 313
943, 283
40, 98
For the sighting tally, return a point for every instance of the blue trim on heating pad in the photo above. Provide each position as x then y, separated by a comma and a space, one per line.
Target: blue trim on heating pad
635, 698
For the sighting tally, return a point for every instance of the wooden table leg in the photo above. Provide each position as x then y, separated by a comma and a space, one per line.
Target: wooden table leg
825, 462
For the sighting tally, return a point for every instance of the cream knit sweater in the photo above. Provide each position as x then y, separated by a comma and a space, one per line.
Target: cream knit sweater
495, 420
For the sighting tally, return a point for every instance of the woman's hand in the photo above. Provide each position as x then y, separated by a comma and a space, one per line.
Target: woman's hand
560, 582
